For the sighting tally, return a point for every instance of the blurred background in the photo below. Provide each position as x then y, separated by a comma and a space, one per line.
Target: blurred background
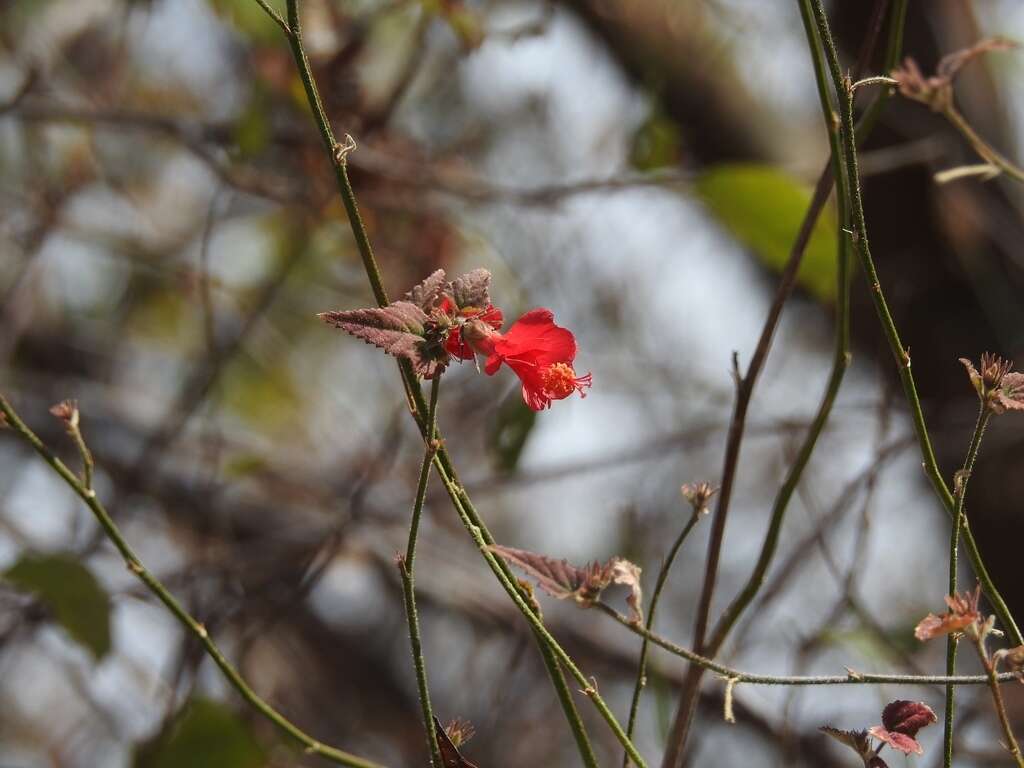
169, 230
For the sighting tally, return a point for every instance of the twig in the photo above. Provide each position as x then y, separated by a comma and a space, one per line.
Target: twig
406, 567
954, 546
997, 697
641, 673
155, 586
275, 16
850, 678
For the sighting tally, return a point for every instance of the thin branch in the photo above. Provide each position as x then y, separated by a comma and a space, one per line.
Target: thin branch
852, 677
954, 545
641, 673
275, 16
155, 586
406, 567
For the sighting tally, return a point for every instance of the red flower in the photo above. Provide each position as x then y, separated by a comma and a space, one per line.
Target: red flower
541, 354
455, 345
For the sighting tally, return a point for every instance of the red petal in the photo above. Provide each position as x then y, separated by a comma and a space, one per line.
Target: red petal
535, 338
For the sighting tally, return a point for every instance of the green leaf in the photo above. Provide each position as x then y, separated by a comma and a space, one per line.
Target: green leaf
762, 208
72, 595
511, 431
206, 734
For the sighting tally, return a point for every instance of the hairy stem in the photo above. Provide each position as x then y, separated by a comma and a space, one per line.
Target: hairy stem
993, 678
513, 591
406, 567
954, 546
641, 673
190, 623
751, 678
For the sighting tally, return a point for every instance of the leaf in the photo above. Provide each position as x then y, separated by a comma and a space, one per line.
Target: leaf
561, 579
907, 716
425, 294
472, 289
963, 611
72, 595
510, 433
858, 741
898, 741
558, 578
628, 574
763, 208
450, 755
206, 734
398, 329
1011, 392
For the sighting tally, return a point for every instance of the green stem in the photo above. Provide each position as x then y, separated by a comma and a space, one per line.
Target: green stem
641, 673
512, 589
416, 400
191, 625
752, 678
901, 355
981, 146
954, 546
348, 197
406, 567
993, 679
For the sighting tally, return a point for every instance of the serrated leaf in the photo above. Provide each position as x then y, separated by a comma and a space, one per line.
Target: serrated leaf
397, 329
561, 579
472, 289
512, 429
206, 734
762, 208
72, 595
856, 740
425, 294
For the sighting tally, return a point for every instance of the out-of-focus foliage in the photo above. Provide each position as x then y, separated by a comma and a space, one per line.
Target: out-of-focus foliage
206, 734
70, 594
762, 207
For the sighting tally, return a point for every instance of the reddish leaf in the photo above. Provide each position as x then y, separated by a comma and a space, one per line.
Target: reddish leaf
907, 717
561, 579
558, 578
963, 612
472, 289
398, 329
426, 294
450, 755
898, 741
1011, 393
858, 741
